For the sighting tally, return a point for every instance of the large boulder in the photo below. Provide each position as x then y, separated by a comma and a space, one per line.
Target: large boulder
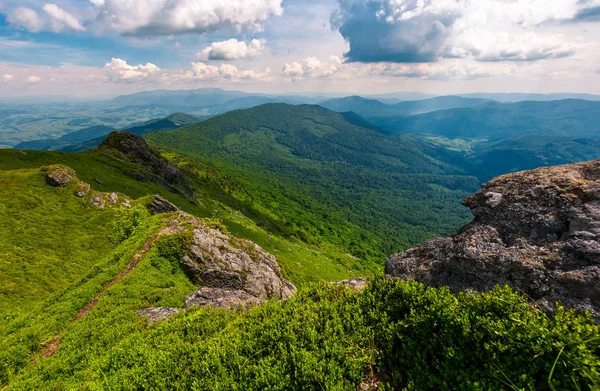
218, 260
537, 231
60, 176
231, 272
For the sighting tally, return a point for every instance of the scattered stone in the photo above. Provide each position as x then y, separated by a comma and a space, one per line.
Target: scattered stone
59, 175
158, 314
98, 200
537, 231
98, 181
161, 205
222, 298
82, 189
356, 284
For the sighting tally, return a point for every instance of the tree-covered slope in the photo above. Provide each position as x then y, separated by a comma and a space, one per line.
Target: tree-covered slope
330, 177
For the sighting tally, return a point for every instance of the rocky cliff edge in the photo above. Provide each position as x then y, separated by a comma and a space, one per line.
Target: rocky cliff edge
537, 231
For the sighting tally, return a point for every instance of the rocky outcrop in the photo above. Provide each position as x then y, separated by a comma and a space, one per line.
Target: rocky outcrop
231, 272
59, 175
217, 260
152, 166
537, 231
160, 205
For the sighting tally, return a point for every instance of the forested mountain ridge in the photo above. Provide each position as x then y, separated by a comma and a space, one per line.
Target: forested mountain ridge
324, 176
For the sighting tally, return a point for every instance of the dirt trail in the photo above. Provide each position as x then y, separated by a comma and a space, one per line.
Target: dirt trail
134, 262
139, 255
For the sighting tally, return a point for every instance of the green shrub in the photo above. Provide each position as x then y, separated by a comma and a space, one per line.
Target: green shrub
127, 222
429, 339
171, 248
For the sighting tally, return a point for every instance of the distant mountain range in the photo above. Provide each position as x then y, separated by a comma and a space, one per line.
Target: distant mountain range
91, 137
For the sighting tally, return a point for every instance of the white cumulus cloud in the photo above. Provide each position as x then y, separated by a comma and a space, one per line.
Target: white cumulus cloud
61, 19
312, 67
6, 78
419, 31
25, 18
227, 72
119, 71
232, 49
160, 17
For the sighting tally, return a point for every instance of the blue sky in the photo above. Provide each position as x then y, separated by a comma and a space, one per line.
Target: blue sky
100, 47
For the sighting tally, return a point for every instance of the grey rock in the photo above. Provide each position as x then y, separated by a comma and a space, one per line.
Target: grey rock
158, 314
152, 166
161, 205
59, 175
217, 260
356, 284
222, 298
537, 231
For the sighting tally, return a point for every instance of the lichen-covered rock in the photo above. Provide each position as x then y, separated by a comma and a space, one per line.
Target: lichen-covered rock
82, 189
217, 260
537, 231
160, 205
231, 272
222, 298
59, 175
102, 200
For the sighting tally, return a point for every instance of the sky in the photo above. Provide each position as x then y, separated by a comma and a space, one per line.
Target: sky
88, 48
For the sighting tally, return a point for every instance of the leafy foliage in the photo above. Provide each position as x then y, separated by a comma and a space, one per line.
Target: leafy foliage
401, 335
127, 222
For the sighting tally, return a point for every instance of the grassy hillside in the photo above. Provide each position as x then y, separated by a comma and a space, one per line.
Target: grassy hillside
48, 239
328, 177
396, 334
300, 261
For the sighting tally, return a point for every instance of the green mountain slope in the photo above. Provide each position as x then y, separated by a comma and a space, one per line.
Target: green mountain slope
37, 214
49, 238
323, 177
528, 152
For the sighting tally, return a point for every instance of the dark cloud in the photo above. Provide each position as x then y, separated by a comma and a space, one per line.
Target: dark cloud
376, 32
591, 14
